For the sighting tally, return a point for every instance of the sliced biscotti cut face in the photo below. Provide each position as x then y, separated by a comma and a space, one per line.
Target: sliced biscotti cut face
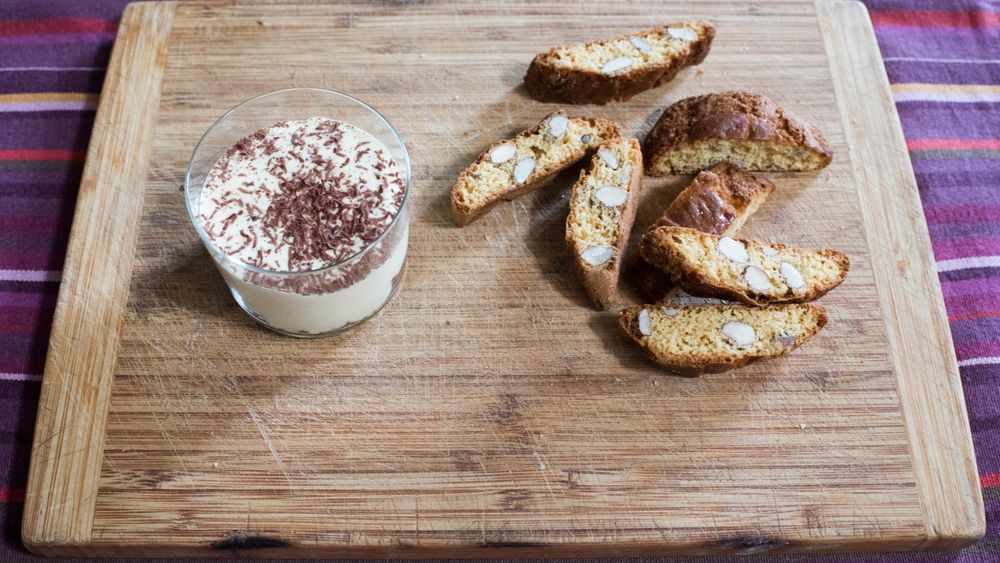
512, 167
617, 69
601, 211
715, 338
718, 201
750, 271
744, 128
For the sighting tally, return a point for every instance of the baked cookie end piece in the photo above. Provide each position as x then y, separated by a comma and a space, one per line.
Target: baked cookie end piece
744, 128
598, 72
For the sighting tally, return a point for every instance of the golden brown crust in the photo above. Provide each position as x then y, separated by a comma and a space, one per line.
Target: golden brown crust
549, 83
628, 319
718, 201
601, 282
656, 249
731, 116
464, 214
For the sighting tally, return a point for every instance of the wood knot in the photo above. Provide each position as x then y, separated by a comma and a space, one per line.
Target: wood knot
503, 543
507, 408
515, 499
238, 539
751, 544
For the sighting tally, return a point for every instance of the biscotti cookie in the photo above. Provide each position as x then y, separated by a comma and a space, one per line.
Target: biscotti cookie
601, 211
750, 271
513, 167
718, 202
739, 127
600, 71
716, 338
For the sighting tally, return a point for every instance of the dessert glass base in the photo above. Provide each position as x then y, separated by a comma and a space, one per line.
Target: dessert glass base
234, 185
396, 281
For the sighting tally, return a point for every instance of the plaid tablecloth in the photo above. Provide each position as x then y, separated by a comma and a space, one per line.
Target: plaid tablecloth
943, 59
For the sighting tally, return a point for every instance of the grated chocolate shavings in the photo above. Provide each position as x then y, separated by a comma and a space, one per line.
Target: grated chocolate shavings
317, 192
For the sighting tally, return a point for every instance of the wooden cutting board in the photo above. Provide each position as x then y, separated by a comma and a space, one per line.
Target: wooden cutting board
488, 410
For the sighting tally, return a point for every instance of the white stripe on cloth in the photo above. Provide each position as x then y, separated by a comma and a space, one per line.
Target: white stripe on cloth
968, 263
30, 275
953, 97
979, 362
932, 60
19, 377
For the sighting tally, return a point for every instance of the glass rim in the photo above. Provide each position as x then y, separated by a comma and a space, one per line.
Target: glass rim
228, 259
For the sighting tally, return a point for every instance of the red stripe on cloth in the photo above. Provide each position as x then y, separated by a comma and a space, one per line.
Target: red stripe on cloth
937, 18
932, 144
57, 26
41, 154
974, 315
989, 480
11, 495
18, 329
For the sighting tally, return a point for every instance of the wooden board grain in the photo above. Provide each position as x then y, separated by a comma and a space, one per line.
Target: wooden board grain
909, 289
488, 410
72, 410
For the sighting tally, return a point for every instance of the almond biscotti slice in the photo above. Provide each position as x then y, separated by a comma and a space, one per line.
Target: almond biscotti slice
617, 69
510, 168
716, 338
747, 129
601, 211
750, 271
718, 202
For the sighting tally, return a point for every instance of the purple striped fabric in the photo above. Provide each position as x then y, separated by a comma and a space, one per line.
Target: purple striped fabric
943, 59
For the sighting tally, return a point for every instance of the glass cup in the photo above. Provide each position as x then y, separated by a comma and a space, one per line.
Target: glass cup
317, 302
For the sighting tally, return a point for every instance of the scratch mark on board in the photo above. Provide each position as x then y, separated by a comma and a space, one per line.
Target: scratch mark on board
261, 427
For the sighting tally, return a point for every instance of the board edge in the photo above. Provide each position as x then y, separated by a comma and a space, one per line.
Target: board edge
930, 387
407, 551
72, 407
263, 547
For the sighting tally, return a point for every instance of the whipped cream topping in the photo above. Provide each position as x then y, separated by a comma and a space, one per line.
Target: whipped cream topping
301, 195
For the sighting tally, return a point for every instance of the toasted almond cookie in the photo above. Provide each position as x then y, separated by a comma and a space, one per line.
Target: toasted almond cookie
750, 271
617, 69
601, 211
715, 338
510, 168
747, 129
718, 202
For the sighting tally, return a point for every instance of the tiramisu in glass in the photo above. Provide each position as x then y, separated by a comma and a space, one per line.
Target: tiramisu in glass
300, 196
